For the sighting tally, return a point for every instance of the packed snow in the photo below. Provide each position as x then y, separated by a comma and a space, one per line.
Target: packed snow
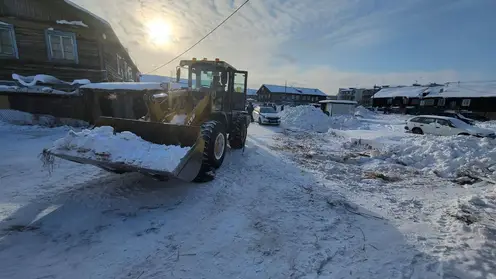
76, 23
296, 203
103, 144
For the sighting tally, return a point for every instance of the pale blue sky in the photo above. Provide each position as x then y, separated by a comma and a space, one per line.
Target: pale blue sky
319, 43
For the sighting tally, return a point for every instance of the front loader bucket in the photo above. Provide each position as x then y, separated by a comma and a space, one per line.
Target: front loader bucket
154, 132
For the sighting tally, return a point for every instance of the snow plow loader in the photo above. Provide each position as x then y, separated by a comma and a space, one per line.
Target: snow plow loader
202, 118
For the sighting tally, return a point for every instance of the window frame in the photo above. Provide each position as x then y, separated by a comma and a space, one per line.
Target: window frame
11, 31
60, 34
466, 102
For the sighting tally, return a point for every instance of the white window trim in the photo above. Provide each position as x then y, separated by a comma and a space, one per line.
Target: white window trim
61, 34
10, 29
119, 58
466, 102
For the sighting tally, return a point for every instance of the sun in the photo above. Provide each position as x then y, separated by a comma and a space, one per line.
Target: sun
159, 32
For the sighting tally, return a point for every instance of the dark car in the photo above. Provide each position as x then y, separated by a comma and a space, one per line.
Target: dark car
456, 115
474, 116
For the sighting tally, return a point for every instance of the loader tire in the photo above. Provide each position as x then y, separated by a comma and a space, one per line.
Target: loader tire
237, 137
213, 133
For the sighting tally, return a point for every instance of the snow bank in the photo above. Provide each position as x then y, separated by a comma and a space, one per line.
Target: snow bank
102, 144
446, 156
306, 118
310, 118
24, 118
77, 23
360, 111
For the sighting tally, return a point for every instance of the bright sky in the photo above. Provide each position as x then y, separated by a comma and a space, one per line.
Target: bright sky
315, 43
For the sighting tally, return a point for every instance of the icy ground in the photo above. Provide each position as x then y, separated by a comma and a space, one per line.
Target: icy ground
294, 205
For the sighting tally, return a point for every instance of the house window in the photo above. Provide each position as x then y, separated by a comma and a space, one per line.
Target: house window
466, 102
8, 47
119, 66
293, 97
61, 46
129, 74
441, 102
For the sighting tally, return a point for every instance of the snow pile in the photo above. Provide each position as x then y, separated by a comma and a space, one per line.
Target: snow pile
360, 111
310, 118
306, 118
446, 156
77, 23
102, 144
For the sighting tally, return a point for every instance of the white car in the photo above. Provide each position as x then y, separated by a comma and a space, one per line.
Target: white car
444, 126
266, 115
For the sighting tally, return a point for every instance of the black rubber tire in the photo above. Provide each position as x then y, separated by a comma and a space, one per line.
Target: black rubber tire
417, 131
209, 131
237, 137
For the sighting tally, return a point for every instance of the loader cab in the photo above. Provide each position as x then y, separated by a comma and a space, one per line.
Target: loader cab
216, 76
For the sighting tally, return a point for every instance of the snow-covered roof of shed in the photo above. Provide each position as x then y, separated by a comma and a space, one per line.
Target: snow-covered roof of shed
86, 11
293, 90
407, 91
467, 90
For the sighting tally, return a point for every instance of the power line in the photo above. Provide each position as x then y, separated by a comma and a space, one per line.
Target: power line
204, 37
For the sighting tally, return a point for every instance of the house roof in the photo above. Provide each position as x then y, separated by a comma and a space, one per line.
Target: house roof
251, 92
338, 102
407, 91
104, 27
466, 90
293, 90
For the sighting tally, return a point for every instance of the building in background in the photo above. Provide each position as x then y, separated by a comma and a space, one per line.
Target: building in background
363, 96
280, 94
60, 39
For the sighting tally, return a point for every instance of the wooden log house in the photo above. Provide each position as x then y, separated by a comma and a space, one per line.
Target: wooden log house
61, 39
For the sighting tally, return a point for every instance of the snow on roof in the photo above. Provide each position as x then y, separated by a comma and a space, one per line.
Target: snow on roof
36, 89
407, 91
86, 11
467, 90
40, 78
78, 23
293, 90
339, 102
125, 86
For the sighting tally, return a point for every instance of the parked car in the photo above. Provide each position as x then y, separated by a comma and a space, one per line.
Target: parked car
454, 114
444, 126
266, 115
474, 116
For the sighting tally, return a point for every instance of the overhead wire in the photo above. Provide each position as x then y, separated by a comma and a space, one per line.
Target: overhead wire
199, 41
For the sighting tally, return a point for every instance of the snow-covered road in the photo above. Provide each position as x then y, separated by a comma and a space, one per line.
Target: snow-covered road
268, 214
